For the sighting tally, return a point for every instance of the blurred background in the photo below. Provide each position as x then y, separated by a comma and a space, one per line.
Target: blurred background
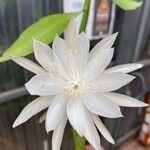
132, 45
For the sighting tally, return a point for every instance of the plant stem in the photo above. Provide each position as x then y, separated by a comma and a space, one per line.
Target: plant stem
86, 9
79, 142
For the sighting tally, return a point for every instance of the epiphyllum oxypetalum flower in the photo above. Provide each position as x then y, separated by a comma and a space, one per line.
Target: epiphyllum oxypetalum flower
73, 84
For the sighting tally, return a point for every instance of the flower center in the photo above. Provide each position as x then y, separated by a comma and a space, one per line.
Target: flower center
75, 89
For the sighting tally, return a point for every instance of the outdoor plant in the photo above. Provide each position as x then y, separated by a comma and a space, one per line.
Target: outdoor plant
70, 81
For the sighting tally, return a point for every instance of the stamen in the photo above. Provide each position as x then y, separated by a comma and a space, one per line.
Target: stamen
75, 87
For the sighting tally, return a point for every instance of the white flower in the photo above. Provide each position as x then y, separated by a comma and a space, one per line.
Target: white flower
73, 84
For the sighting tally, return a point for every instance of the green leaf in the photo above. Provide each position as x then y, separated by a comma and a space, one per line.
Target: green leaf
79, 142
128, 4
43, 30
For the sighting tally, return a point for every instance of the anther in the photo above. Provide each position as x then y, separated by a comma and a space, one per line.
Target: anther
75, 87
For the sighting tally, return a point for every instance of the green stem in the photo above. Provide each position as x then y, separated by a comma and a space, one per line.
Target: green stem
79, 142
86, 9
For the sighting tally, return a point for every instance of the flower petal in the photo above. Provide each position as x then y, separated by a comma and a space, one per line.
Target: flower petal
63, 56
32, 109
105, 43
42, 85
59, 45
81, 51
102, 106
27, 64
99, 62
60, 67
42, 118
81, 119
76, 114
125, 68
124, 100
71, 33
58, 134
55, 112
102, 129
90, 132
112, 81
43, 54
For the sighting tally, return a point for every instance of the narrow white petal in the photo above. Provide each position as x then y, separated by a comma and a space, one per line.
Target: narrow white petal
113, 81
90, 131
102, 129
63, 56
125, 68
59, 45
42, 85
81, 119
43, 54
27, 64
58, 134
71, 32
61, 69
105, 43
42, 118
76, 114
82, 46
99, 62
55, 112
32, 109
81, 51
124, 100
102, 106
